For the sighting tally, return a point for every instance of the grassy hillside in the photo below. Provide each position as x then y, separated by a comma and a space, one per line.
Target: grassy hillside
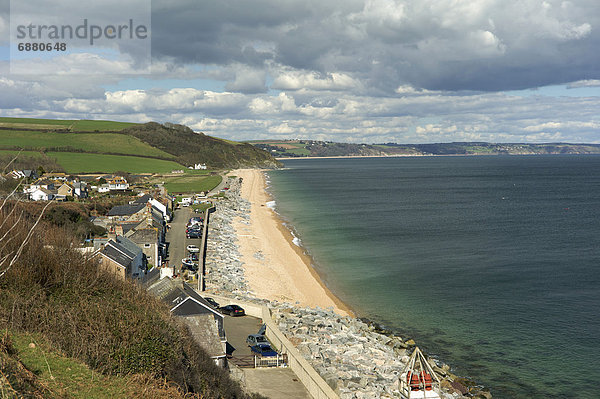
91, 146
89, 163
33, 368
190, 147
78, 315
70, 125
105, 143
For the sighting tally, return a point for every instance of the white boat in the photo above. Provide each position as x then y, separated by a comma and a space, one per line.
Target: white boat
418, 380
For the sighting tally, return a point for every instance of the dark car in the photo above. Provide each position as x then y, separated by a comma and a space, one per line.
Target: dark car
212, 302
263, 350
256, 339
194, 234
232, 310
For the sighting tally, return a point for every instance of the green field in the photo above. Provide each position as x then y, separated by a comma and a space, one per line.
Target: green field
77, 125
192, 184
74, 162
90, 126
35, 154
90, 142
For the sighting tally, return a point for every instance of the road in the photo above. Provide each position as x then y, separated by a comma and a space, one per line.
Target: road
176, 237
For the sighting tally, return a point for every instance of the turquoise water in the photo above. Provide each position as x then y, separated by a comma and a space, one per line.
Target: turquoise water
490, 263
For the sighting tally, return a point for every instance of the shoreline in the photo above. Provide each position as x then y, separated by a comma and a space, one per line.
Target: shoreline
352, 355
276, 269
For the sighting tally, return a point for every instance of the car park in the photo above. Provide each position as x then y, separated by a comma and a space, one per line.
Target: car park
193, 249
255, 339
263, 350
232, 310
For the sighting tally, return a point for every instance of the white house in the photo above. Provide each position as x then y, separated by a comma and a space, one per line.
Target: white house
42, 194
118, 183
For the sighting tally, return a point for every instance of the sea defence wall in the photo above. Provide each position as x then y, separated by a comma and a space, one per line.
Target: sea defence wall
311, 380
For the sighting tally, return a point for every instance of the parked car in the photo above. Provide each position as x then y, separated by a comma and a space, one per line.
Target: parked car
187, 263
212, 302
263, 350
194, 257
255, 339
193, 249
194, 234
232, 310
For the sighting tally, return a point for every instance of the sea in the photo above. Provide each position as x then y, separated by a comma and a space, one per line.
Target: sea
490, 263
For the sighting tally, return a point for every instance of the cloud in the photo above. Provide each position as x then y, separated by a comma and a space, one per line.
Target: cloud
356, 71
382, 44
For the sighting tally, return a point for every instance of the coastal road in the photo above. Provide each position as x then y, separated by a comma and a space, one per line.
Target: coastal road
176, 237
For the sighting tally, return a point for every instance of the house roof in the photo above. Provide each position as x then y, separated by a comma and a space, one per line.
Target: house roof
204, 331
44, 190
117, 256
182, 298
127, 227
128, 245
141, 236
125, 210
143, 199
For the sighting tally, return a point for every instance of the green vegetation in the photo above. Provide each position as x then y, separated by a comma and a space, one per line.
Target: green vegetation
101, 126
72, 309
192, 184
29, 160
71, 125
74, 217
89, 163
106, 143
191, 148
29, 358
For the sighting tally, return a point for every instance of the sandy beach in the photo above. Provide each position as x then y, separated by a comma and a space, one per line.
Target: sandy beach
275, 268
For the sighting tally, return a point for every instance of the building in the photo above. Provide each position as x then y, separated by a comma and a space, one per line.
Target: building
118, 183
123, 258
23, 174
42, 194
65, 190
127, 212
203, 321
148, 239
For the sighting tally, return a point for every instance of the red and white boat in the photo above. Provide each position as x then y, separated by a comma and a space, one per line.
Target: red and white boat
418, 380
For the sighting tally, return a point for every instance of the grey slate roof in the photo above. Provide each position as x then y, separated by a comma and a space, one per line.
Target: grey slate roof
174, 293
117, 256
205, 333
143, 236
143, 199
125, 210
128, 245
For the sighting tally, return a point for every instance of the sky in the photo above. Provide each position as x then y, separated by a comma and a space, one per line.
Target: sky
372, 71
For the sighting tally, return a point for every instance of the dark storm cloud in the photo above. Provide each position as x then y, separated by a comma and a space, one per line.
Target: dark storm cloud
443, 45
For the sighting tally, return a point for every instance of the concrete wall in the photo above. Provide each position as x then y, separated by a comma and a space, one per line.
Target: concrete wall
313, 382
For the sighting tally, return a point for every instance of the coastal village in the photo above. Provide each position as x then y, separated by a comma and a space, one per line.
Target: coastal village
324, 354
